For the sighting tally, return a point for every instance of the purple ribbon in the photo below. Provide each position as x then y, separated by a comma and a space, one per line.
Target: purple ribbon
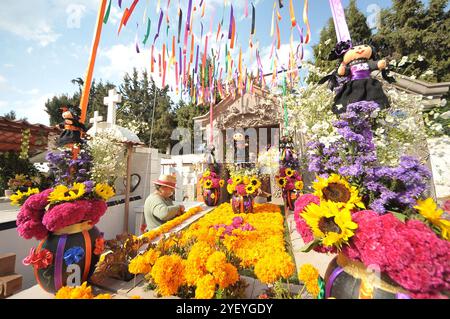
331, 280
120, 4
189, 15
230, 28
360, 75
159, 26
340, 24
59, 261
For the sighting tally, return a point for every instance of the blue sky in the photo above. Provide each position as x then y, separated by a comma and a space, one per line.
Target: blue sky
46, 43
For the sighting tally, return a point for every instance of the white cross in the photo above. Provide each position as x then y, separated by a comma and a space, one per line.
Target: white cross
111, 100
95, 121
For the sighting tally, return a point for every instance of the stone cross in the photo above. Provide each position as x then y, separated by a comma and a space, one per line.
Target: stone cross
95, 120
111, 100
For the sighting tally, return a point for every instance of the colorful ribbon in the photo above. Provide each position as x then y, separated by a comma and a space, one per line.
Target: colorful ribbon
59, 261
292, 13
340, 23
105, 19
306, 21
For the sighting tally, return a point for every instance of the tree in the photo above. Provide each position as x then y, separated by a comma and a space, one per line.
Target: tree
359, 31
97, 93
11, 115
136, 111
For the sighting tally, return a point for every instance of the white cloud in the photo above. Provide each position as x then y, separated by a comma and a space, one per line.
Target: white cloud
33, 109
8, 65
30, 50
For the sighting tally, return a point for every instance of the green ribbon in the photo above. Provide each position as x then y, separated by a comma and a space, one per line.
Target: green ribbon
322, 289
105, 19
148, 31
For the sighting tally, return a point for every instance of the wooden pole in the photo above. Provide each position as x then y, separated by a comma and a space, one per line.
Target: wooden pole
90, 70
128, 187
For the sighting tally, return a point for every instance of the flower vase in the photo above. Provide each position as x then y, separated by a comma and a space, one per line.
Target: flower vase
348, 279
211, 196
71, 254
289, 198
242, 204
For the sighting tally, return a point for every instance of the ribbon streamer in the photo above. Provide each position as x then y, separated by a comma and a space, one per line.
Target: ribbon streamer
127, 15
280, 2
147, 34
306, 20
246, 9
292, 13
253, 19
159, 26
180, 21
105, 19
340, 23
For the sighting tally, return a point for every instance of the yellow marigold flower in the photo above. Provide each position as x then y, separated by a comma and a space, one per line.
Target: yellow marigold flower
139, 265
310, 276
336, 189
103, 296
80, 292
429, 209
289, 172
226, 276
206, 287
272, 267
216, 261
332, 226
168, 274
151, 256
299, 185
104, 191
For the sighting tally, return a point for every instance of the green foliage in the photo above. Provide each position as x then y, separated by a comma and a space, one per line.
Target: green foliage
10, 165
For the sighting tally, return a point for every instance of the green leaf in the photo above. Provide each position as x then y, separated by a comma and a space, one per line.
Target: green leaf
310, 246
400, 216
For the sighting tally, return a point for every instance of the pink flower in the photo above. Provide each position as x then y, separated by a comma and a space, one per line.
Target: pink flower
410, 253
447, 206
302, 202
70, 213
38, 202
241, 189
230, 181
289, 185
32, 228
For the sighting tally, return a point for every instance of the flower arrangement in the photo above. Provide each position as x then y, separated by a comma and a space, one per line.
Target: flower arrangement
401, 246
210, 180
289, 179
243, 185
19, 182
204, 260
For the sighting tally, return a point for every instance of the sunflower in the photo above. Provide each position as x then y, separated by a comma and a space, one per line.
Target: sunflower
289, 172
333, 227
250, 189
299, 185
281, 182
237, 180
208, 184
230, 188
104, 191
336, 189
19, 197
246, 180
221, 183
428, 209
62, 193
255, 182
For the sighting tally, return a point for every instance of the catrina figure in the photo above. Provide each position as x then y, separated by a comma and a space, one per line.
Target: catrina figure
353, 77
73, 130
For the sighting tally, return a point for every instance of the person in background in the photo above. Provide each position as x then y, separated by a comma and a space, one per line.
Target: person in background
159, 207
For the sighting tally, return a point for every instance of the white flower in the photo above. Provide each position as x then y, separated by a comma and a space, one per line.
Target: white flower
446, 115
403, 61
420, 58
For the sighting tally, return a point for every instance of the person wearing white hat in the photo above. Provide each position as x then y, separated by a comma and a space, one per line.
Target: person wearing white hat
159, 207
